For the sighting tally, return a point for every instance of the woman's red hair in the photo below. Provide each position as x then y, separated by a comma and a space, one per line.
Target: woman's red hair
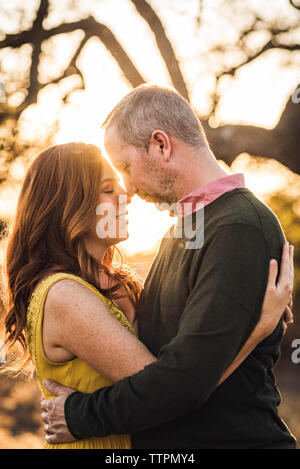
56, 209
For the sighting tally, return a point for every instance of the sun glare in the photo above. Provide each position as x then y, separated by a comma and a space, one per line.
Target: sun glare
8, 199
81, 117
146, 226
265, 176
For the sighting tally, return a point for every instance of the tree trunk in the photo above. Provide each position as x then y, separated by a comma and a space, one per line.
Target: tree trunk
281, 143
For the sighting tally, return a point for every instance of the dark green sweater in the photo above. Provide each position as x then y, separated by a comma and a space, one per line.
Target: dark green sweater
197, 310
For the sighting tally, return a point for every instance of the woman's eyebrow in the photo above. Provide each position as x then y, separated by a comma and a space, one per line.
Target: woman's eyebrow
110, 179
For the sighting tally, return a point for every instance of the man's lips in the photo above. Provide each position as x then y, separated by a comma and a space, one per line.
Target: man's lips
145, 197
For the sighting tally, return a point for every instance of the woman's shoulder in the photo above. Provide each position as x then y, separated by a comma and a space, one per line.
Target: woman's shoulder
72, 295
58, 279
62, 290
61, 287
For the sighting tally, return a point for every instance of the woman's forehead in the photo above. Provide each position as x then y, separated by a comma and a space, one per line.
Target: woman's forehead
108, 171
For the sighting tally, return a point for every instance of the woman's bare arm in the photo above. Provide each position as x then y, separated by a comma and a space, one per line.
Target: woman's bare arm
80, 323
276, 299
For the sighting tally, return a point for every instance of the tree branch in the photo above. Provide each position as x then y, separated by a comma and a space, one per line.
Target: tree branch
271, 44
293, 4
71, 68
164, 45
36, 35
281, 143
41, 14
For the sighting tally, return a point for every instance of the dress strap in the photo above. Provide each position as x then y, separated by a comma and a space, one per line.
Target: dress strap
37, 302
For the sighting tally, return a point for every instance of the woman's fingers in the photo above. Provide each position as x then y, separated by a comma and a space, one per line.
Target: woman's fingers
278, 296
284, 276
288, 315
291, 257
273, 271
288, 319
284, 327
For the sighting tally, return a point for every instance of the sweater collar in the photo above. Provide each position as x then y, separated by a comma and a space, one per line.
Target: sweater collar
207, 193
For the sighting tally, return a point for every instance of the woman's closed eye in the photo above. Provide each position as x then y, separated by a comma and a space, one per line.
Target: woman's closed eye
108, 188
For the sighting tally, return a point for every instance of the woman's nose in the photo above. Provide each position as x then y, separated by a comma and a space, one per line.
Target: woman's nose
128, 199
130, 187
123, 197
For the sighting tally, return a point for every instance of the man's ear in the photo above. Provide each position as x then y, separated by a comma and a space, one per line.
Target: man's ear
160, 144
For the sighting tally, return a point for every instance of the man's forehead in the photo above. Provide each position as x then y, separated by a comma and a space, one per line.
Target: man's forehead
112, 137
117, 153
108, 168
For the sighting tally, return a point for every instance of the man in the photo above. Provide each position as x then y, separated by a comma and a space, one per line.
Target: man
199, 304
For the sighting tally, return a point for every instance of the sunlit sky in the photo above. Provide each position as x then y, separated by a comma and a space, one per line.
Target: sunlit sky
256, 96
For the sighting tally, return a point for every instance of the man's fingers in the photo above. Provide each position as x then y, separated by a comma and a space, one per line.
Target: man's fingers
47, 429
52, 386
45, 418
52, 439
47, 404
55, 388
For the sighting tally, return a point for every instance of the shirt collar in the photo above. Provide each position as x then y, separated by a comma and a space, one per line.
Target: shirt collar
204, 195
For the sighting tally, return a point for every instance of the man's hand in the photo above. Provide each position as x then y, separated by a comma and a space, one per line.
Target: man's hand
53, 414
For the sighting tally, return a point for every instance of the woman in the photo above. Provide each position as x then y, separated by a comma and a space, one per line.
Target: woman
70, 306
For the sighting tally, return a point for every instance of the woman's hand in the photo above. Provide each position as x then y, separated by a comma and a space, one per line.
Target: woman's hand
277, 300
278, 297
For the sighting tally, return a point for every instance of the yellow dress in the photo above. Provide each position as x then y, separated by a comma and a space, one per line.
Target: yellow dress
74, 373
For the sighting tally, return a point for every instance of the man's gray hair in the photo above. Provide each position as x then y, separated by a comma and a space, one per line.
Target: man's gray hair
152, 107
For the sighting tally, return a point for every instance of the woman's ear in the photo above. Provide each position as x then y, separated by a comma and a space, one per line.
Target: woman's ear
160, 144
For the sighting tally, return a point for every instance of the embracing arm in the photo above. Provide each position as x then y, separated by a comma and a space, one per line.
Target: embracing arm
275, 300
82, 325
220, 314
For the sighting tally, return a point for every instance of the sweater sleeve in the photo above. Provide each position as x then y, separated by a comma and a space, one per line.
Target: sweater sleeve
220, 313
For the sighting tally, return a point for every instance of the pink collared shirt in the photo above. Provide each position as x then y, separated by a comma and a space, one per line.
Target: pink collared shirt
206, 194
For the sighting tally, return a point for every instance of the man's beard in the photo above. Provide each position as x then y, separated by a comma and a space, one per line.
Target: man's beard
156, 197
164, 192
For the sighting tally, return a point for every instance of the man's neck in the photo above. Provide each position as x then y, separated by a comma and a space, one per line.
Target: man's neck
208, 171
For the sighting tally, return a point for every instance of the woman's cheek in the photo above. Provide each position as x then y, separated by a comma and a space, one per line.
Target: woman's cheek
106, 226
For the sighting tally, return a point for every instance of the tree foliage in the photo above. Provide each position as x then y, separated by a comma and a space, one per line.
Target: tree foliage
227, 141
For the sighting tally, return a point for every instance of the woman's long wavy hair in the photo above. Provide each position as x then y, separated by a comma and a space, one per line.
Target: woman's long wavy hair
56, 209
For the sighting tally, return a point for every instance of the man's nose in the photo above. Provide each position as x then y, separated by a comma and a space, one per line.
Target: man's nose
130, 188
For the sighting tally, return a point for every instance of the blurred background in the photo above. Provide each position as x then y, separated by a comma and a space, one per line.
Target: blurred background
65, 63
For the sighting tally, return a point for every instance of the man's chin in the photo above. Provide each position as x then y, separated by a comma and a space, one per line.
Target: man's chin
151, 199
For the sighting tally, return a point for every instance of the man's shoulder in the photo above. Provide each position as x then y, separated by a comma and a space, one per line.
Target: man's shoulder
242, 206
